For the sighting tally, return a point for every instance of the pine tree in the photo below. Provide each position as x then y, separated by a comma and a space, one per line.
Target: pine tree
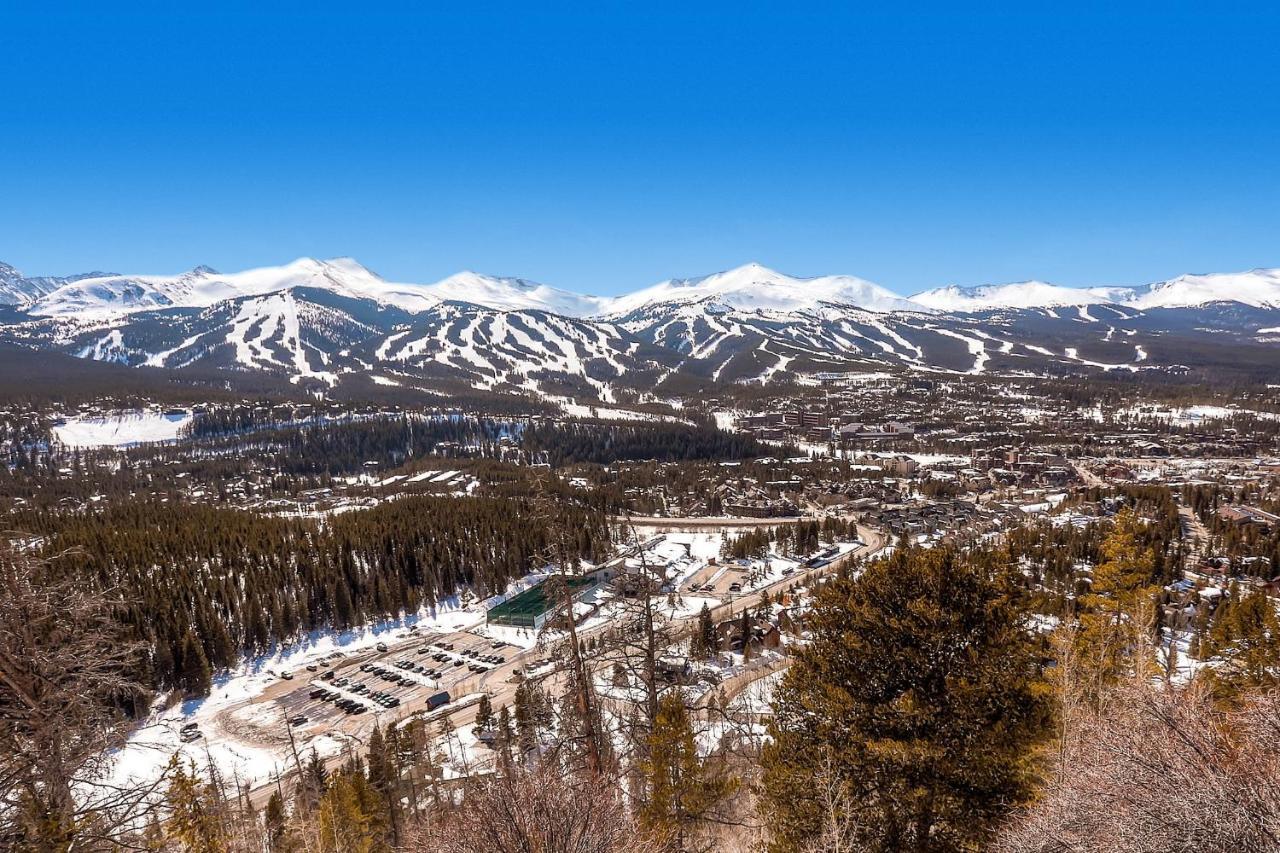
680, 791
764, 610
918, 698
1247, 638
275, 821
194, 824
484, 714
349, 819
196, 677
379, 768
312, 784
526, 727
704, 636
505, 735
1117, 613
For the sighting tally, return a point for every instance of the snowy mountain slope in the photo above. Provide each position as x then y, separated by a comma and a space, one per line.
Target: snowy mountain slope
520, 349
1023, 294
106, 295
299, 333
1259, 288
316, 336
17, 289
515, 294
324, 323
753, 287
203, 287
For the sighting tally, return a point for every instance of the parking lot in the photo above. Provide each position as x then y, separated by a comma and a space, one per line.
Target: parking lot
412, 674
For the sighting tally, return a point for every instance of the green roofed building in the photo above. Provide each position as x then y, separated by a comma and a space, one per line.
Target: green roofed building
530, 608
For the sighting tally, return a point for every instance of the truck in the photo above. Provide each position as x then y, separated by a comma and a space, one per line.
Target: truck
437, 699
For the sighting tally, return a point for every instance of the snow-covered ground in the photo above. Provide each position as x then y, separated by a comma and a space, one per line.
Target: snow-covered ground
1181, 415
120, 430
157, 739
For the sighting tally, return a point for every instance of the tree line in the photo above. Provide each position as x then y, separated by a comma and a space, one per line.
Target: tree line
204, 585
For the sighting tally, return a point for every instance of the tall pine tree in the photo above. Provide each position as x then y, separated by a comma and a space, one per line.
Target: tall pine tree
918, 698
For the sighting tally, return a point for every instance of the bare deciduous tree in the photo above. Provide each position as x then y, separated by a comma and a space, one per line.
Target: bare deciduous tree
64, 676
1159, 768
537, 811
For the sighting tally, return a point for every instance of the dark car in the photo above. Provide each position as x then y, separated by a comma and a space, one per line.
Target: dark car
435, 700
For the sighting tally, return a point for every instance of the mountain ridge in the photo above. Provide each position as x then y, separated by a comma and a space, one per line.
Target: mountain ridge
328, 323
749, 287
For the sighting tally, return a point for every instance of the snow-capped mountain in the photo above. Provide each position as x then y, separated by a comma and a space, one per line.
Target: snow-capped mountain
753, 287
1022, 294
1259, 288
17, 289
335, 323
516, 294
318, 336
202, 287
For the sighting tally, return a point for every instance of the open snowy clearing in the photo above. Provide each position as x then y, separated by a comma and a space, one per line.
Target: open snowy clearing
125, 429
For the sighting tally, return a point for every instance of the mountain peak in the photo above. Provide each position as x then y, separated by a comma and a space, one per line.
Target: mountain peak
1016, 295
503, 293
755, 287
1258, 287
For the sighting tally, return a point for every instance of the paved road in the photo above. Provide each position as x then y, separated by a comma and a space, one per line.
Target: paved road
1194, 532
1088, 477
500, 682
709, 522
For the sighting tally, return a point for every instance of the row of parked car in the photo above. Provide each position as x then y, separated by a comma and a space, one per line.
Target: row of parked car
388, 675
354, 706
476, 662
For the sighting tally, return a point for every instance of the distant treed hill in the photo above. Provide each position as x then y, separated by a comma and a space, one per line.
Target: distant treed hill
228, 445
568, 443
205, 585
344, 447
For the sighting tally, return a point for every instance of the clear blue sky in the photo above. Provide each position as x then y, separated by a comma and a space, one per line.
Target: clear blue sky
605, 148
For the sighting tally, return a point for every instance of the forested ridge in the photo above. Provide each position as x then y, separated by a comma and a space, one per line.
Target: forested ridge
566, 443
205, 585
